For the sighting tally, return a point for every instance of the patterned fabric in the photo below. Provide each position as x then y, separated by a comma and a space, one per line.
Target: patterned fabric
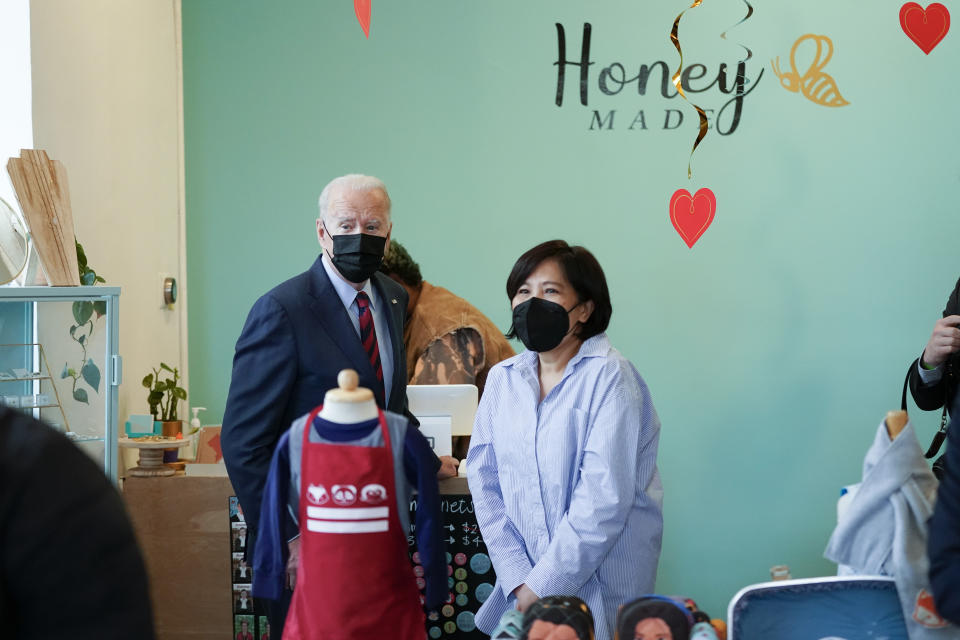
368, 336
454, 358
566, 490
446, 332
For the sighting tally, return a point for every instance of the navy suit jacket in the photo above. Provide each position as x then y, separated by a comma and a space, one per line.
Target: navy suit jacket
297, 338
943, 543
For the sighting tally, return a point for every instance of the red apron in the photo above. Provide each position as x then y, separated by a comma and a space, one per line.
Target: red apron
354, 580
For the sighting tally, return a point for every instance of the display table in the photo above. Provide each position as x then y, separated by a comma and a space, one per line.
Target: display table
183, 526
151, 455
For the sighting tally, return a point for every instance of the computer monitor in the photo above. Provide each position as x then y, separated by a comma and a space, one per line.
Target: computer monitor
455, 401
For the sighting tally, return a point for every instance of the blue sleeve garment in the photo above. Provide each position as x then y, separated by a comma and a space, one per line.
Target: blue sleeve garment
418, 465
943, 543
270, 553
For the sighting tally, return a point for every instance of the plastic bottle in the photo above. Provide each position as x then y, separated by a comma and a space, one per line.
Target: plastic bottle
195, 421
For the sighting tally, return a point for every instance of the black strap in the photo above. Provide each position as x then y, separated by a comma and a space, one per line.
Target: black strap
906, 383
940, 435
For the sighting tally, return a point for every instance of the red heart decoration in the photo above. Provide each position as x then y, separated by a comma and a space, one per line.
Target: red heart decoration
925, 27
692, 215
362, 7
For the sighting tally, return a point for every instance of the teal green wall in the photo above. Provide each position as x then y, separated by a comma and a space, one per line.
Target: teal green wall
772, 349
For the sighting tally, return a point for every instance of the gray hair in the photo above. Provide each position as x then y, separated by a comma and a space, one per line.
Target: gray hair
351, 182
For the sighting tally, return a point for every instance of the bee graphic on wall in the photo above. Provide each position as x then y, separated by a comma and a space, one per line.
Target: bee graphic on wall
815, 84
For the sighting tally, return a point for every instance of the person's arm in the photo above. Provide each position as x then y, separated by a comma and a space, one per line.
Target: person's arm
927, 384
417, 462
944, 342
620, 456
504, 543
270, 553
943, 544
264, 372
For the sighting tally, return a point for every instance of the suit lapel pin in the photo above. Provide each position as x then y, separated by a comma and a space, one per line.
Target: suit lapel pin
394, 301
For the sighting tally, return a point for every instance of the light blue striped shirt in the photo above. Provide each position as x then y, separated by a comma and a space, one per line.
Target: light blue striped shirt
567, 491
348, 296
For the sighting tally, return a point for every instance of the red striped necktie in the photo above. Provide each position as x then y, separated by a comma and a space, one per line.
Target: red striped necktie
368, 337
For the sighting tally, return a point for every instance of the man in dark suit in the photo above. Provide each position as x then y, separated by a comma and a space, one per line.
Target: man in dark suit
240, 540
339, 314
943, 543
934, 375
933, 379
244, 603
242, 572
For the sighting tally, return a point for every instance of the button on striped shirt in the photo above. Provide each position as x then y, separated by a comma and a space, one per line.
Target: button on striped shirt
567, 491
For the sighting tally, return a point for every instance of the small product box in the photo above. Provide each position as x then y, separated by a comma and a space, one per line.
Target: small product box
139, 426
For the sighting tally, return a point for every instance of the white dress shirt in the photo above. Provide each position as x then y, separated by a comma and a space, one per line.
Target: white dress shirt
567, 491
348, 296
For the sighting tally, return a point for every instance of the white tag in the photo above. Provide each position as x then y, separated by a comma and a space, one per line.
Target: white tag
436, 429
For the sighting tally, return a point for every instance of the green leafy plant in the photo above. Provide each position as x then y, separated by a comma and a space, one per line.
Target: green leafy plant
87, 275
164, 394
84, 314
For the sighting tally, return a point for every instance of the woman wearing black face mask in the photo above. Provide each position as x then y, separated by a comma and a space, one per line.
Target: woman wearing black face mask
562, 462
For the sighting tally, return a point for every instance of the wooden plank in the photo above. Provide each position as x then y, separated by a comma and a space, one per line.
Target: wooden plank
38, 170
28, 193
43, 167
44, 197
23, 184
66, 211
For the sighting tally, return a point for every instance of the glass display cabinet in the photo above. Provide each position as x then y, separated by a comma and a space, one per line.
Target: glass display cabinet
59, 362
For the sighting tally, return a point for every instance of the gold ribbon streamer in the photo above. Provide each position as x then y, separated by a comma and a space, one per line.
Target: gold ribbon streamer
679, 85
745, 18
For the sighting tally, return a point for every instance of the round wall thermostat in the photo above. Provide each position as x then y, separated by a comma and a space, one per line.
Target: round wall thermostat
169, 290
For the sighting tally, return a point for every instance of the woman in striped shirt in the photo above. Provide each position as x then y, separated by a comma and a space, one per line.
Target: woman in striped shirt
562, 462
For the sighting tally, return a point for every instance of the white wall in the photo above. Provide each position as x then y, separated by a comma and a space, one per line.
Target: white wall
106, 102
15, 122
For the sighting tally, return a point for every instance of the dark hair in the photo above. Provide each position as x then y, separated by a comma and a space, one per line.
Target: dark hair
569, 610
582, 271
398, 262
671, 612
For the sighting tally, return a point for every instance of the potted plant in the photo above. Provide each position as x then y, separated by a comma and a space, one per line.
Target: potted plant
164, 396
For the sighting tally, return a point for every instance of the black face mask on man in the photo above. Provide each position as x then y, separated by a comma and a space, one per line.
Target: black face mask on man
357, 256
541, 324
